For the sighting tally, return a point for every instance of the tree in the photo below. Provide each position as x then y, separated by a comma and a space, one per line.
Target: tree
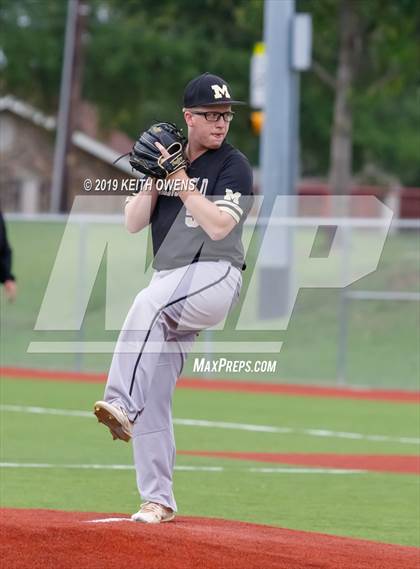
137, 74
139, 56
365, 55
359, 105
32, 36
341, 135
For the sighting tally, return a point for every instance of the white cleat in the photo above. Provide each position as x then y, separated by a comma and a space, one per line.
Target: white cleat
152, 513
115, 418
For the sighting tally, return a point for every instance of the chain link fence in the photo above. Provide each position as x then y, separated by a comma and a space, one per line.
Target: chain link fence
365, 333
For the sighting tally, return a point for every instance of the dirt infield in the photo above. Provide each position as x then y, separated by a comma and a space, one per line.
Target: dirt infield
397, 464
46, 539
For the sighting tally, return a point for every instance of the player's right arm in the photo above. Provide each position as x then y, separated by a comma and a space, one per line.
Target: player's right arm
139, 209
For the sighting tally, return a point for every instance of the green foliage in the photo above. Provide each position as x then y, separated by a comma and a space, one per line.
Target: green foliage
141, 58
385, 98
140, 55
32, 35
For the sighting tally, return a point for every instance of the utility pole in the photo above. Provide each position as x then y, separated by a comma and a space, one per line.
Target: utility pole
277, 157
70, 94
287, 39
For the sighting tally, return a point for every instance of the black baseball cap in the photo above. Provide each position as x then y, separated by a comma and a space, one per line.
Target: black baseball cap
208, 89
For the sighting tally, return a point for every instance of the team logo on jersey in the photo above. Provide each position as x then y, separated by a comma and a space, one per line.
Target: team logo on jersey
230, 204
220, 91
231, 196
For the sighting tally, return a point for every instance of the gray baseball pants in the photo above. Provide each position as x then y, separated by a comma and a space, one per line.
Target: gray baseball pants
151, 350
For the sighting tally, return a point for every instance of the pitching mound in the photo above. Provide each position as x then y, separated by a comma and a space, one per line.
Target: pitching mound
45, 539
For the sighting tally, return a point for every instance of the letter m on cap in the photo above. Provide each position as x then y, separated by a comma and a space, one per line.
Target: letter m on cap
220, 91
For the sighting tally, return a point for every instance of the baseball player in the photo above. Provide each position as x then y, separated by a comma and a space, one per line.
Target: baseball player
198, 262
6, 277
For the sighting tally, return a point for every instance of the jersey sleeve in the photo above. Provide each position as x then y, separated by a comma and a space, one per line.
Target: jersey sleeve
233, 191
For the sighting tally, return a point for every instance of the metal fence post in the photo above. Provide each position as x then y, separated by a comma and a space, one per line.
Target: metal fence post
80, 335
343, 313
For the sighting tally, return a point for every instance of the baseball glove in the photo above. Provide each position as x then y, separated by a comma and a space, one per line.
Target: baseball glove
147, 158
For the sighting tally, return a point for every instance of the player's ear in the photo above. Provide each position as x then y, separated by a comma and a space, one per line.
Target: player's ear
188, 117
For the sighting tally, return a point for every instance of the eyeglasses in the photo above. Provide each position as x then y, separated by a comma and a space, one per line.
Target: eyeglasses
212, 116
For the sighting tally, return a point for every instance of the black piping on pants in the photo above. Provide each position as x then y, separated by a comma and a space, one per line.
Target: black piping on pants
157, 315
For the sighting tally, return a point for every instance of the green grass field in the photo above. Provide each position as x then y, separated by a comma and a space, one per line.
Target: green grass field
382, 351
383, 507
383, 336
